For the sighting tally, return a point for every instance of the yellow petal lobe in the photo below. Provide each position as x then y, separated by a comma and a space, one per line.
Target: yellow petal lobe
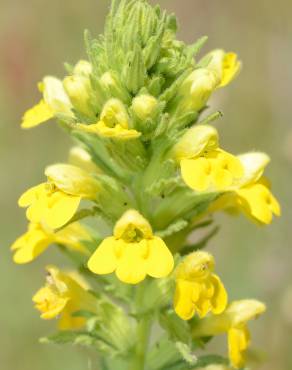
38, 114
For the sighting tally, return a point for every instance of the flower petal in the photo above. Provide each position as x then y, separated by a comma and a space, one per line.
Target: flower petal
183, 304
61, 208
195, 173
238, 341
38, 114
160, 261
104, 260
31, 244
132, 264
219, 299
31, 195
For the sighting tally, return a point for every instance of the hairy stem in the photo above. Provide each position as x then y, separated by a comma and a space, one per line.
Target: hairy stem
143, 328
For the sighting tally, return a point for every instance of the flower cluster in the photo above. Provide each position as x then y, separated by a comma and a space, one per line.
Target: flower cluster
147, 172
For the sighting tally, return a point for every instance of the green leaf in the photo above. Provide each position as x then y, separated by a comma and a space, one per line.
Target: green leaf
211, 117
158, 294
70, 337
177, 329
186, 352
173, 228
197, 46
163, 355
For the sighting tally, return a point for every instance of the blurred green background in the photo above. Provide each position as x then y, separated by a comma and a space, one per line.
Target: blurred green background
36, 37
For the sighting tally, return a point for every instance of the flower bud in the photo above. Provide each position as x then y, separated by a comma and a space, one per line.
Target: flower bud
82, 159
73, 180
144, 106
113, 87
195, 141
78, 89
83, 67
197, 88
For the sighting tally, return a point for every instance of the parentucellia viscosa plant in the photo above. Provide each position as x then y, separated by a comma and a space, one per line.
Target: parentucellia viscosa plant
147, 172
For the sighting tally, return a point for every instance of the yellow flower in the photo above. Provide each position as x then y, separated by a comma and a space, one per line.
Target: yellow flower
38, 238
113, 123
198, 289
61, 297
54, 203
213, 170
233, 322
132, 252
55, 102
251, 193
225, 65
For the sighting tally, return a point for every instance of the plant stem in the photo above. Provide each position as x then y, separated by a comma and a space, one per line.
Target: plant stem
142, 333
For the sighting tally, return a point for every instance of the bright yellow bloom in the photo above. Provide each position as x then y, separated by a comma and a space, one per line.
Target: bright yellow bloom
55, 102
234, 322
251, 193
198, 289
63, 295
38, 238
225, 65
113, 123
54, 203
213, 170
132, 252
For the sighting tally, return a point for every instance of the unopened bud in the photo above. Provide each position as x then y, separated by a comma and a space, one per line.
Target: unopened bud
78, 89
113, 87
144, 106
83, 67
195, 141
197, 88
81, 158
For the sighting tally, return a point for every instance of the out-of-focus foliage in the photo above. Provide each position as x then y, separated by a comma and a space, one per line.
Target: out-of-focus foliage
34, 37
